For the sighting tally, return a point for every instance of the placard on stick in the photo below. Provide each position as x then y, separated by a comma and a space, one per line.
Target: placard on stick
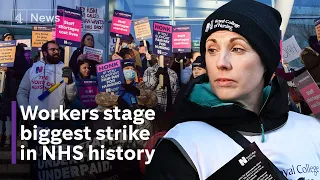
40, 35
7, 53
88, 90
162, 39
121, 23
181, 39
310, 92
110, 76
92, 19
142, 29
68, 28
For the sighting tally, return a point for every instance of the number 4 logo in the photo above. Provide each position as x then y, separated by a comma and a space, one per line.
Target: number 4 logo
19, 18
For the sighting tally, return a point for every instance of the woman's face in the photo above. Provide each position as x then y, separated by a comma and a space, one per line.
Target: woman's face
194, 57
234, 68
88, 41
197, 71
8, 38
85, 70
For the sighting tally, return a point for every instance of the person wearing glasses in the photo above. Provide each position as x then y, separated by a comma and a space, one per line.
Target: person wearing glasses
44, 74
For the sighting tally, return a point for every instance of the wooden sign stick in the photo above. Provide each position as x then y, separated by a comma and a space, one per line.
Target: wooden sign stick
2, 78
181, 68
161, 63
145, 45
67, 50
117, 45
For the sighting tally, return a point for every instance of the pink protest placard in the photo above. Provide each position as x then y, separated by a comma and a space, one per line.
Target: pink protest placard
121, 23
310, 92
87, 93
181, 39
68, 26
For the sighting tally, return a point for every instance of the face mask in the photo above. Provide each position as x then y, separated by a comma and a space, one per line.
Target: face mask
125, 46
129, 74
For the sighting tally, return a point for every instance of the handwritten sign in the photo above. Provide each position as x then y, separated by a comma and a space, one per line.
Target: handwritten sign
317, 24
110, 76
121, 23
142, 29
40, 35
290, 49
92, 19
92, 53
162, 39
68, 28
310, 92
87, 93
7, 53
181, 39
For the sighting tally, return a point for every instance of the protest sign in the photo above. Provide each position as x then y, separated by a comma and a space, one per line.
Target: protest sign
142, 29
7, 53
310, 92
40, 35
317, 24
196, 45
54, 33
162, 39
88, 90
24, 41
68, 27
121, 22
92, 19
290, 49
181, 39
92, 53
110, 76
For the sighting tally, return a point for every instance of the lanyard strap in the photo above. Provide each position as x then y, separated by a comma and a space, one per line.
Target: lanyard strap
243, 142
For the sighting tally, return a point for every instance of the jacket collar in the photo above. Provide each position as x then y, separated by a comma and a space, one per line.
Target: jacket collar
219, 114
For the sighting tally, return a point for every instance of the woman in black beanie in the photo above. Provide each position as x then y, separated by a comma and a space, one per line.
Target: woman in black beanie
233, 125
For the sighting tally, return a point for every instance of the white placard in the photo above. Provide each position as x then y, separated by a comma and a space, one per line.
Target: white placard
92, 19
290, 49
25, 41
92, 53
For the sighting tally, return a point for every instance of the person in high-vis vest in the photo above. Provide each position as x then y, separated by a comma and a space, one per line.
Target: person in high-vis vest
236, 111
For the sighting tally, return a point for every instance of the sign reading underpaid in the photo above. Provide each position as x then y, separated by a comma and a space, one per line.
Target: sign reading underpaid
92, 53
162, 39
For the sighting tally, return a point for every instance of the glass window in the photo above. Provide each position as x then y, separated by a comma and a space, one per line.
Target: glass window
196, 8
154, 9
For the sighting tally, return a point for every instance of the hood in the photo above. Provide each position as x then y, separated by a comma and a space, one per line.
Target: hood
210, 109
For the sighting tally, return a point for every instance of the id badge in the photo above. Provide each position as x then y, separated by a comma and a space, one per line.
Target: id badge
250, 164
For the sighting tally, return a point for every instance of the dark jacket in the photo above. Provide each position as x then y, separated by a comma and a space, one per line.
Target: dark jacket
169, 163
14, 76
74, 66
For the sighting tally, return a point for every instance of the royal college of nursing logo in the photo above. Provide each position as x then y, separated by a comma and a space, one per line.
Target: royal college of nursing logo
224, 24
